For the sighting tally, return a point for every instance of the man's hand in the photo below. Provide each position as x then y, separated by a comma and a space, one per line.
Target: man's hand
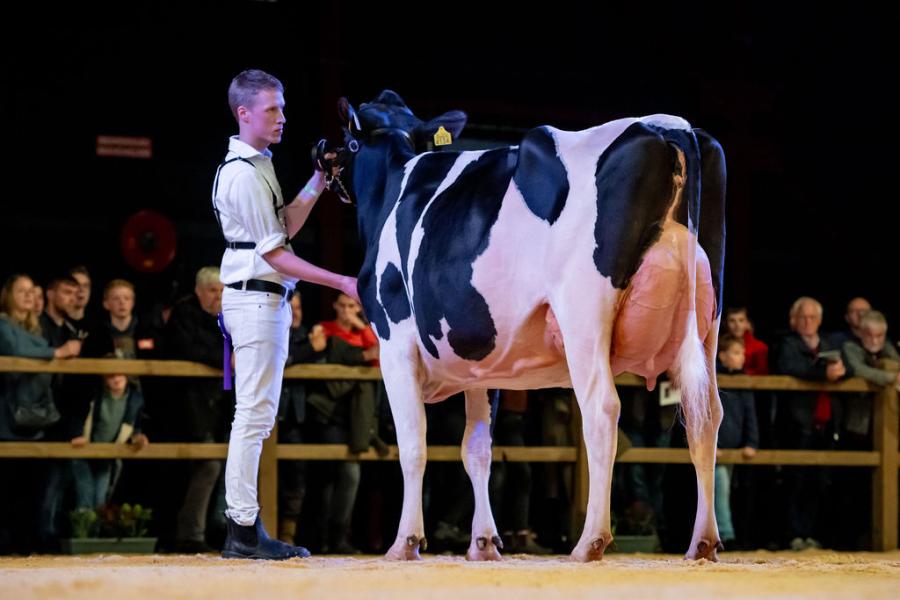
748, 452
140, 441
335, 169
355, 319
348, 286
370, 354
70, 349
79, 442
835, 370
317, 338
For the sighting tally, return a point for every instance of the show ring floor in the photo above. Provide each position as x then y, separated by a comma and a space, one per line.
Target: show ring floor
809, 574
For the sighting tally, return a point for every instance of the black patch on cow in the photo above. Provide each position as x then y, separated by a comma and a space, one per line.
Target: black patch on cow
541, 175
377, 172
712, 209
457, 231
428, 174
634, 191
393, 294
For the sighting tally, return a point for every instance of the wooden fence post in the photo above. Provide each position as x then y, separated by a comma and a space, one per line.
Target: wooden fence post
885, 423
268, 482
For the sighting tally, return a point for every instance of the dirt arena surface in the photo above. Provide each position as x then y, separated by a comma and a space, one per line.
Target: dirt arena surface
810, 574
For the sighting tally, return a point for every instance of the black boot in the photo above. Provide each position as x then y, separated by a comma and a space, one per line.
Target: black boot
252, 541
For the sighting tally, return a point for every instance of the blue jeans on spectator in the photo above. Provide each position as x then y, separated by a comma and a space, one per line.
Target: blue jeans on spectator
723, 502
57, 477
92, 479
341, 482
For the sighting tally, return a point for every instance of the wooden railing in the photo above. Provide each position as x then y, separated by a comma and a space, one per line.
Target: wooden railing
884, 458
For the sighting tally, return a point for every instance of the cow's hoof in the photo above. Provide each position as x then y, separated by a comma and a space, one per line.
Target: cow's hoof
705, 549
407, 549
483, 548
590, 551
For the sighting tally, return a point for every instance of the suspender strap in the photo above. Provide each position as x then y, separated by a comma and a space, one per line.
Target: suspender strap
275, 205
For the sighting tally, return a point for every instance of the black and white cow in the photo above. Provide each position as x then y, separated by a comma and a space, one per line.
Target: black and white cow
560, 262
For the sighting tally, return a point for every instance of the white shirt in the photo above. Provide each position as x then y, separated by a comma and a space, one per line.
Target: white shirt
243, 198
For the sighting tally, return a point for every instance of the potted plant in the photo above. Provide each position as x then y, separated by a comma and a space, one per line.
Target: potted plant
111, 528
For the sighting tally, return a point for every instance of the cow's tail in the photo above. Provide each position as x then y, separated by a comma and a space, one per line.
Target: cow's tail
691, 369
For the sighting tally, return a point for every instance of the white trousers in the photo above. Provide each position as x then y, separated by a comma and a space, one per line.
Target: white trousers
259, 324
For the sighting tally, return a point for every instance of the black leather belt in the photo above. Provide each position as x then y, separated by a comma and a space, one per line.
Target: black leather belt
261, 285
240, 245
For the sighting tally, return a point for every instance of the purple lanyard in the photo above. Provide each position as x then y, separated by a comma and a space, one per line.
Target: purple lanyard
226, 362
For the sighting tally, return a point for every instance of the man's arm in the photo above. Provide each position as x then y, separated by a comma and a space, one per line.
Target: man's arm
298, 210
294, 266
792, 361
856, 358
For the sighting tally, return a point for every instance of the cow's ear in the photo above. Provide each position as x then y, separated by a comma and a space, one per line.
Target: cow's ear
348, 115
453, 121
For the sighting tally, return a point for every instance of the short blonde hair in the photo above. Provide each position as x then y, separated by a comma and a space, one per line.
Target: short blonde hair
248, 84
117, 283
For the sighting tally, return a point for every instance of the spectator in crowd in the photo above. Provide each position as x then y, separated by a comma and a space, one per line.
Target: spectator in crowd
54, 321
511, 481
872, 357
756, 351
856, 308
27, 409
810, 419
646, 421
116, 332
39, 300
344, 412
78, 314
304, 346
738, 429
203, 410
28, 405
113, 419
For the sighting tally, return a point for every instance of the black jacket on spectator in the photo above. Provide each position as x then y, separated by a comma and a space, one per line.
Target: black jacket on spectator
73, 393
739, 428
796, 359
105, 339
198, 408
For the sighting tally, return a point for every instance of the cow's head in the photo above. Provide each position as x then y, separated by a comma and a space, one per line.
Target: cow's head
387, 120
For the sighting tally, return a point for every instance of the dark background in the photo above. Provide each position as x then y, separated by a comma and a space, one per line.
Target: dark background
799, 98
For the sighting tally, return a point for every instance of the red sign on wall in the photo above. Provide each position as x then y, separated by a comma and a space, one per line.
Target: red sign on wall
125, 147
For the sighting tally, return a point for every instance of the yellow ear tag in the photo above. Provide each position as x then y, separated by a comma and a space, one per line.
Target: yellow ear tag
442, 137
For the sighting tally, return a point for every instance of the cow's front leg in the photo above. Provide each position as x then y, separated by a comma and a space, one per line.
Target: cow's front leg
476, 454
405, 396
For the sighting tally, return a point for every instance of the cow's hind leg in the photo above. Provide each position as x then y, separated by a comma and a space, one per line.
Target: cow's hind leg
702, 433
476, 455
585, 323
405, 395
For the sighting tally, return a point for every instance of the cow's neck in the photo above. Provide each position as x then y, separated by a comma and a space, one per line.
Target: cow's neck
377, 173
